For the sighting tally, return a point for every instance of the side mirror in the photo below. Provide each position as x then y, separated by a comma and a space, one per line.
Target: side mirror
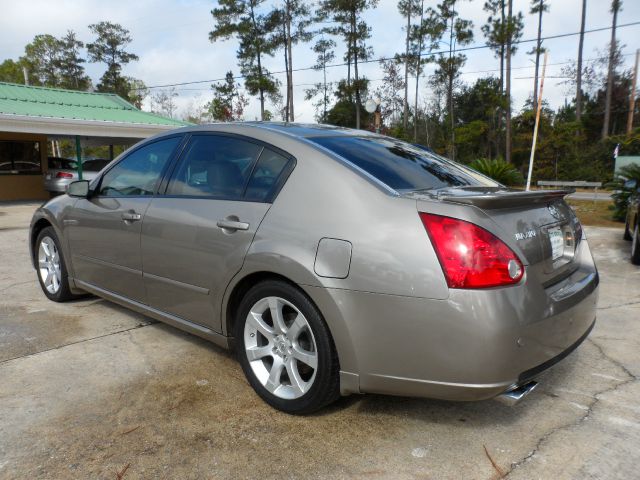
78, 189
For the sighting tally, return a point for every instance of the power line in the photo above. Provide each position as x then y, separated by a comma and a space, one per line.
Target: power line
370, 80
441, 52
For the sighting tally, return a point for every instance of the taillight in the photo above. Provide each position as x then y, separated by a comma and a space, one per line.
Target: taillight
470, 256
64, 175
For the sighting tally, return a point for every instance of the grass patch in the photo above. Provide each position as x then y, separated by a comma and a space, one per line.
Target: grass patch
598, 213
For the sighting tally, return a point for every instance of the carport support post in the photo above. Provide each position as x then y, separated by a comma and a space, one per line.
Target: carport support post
79, 157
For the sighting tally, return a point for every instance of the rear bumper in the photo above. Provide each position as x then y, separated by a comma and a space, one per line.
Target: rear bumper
58, 185
474, 345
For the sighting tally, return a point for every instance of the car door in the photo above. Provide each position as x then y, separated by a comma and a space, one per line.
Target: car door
195, 237
104, 229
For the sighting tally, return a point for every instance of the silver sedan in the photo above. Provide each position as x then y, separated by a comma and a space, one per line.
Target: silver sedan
334, 261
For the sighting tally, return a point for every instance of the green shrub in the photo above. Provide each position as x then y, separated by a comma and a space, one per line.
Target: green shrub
499, 170
620, 195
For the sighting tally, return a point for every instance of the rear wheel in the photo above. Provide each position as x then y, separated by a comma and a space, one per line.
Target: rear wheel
635, 245
51, 268
285, 348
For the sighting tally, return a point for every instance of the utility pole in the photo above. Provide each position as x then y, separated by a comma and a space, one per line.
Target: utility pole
535, 129
632, 97
507, 147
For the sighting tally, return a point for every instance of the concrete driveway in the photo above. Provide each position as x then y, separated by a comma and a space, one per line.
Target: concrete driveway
91, 390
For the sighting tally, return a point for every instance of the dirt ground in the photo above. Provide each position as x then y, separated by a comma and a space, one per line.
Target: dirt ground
91, 390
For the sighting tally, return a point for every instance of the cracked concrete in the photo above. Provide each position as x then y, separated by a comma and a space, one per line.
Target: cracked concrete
88, 388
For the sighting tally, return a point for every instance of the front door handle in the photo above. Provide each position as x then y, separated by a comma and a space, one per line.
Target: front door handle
131, 216
232, 225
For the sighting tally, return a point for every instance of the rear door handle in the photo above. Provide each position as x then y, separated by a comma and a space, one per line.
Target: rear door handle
232, 225
131, 217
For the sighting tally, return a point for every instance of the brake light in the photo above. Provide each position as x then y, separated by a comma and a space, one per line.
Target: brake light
470, 256
64, 175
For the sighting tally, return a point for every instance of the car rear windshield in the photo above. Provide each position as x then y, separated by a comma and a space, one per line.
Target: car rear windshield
94, 165
61, 163
402, 166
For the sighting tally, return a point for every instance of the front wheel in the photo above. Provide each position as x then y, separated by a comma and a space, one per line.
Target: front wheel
52, 271
635, 245
285, 348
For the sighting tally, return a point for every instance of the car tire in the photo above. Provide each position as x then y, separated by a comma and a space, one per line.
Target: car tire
635, 245
627, 232
285, 348
51, 267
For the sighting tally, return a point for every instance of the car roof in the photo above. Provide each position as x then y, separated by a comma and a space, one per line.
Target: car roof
300, 130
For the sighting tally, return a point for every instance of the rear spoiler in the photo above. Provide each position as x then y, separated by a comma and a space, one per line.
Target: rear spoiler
503, 199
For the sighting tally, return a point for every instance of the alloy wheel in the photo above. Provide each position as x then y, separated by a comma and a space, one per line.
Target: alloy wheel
49, 265
280, 347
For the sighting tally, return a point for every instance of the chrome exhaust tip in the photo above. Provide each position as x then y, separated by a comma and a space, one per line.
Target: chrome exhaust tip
513, 396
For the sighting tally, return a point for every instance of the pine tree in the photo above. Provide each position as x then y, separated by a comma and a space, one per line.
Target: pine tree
228, 102
294, 19
495, 32
109, 48
72, 74
347, 16
254, 31
538, 7
324, 49
42, 59
514, 26
579, 67
615, 8
458, 33
425, 34
408, 9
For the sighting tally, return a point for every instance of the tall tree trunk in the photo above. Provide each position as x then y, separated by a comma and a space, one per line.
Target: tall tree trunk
286, 66
538, 47
502, 50
418, 68
632, 96
325, 100
290, 70
259, 59
405, 117
354, 27
507, 147
450, 87
355, 75
579, 71
615, 6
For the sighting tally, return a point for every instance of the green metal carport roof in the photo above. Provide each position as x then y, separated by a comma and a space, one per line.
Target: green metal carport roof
64, 113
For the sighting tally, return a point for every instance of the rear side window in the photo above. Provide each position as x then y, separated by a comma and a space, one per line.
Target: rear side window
139, 172
266, 176
214, 166
402, 166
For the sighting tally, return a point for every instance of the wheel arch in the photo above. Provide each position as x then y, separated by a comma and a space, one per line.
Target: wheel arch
318, 295
36, 228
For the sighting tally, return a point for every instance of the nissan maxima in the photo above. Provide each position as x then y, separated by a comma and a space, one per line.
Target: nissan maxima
333, 261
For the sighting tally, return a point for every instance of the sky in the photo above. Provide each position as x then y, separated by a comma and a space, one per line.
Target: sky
171, 37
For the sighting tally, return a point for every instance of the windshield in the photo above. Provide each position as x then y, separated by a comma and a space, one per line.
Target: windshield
402, 166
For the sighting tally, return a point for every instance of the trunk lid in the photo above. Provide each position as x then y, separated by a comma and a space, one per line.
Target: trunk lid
539, 225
